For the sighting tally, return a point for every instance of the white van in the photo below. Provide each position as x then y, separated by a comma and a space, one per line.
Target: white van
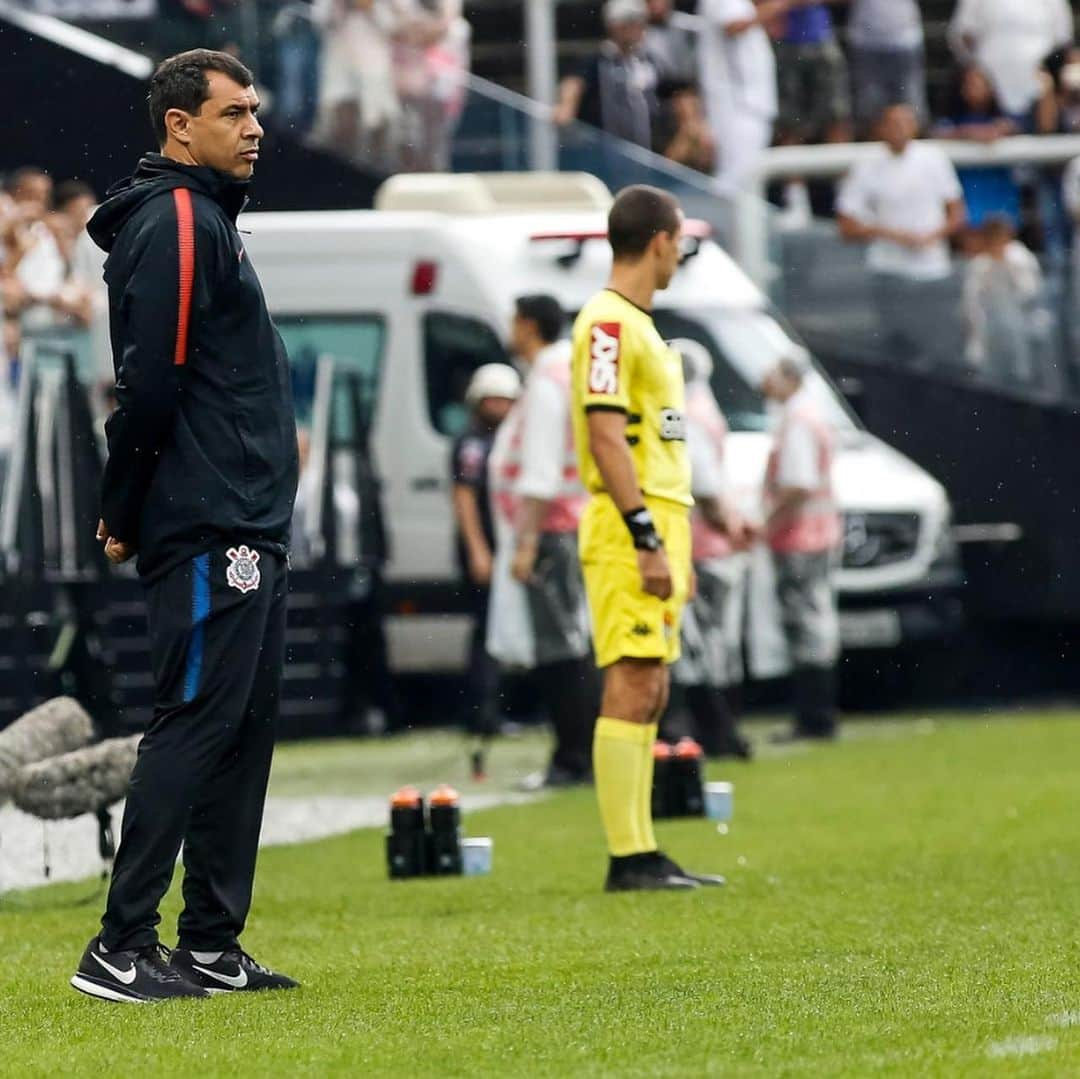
417, 293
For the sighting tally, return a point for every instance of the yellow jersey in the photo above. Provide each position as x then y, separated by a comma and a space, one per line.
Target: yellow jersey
621, 363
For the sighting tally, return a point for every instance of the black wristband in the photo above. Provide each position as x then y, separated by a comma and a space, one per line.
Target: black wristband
643, 530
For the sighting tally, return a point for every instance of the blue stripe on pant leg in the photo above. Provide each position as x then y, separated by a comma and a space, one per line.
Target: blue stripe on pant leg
200, 611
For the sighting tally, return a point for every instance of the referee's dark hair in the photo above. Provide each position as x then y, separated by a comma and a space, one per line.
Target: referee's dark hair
546, 312
180, 83
638, 214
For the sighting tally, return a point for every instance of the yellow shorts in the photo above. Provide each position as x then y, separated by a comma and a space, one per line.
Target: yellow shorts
626, 621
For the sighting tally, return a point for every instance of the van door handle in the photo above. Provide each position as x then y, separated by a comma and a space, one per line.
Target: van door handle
426, 483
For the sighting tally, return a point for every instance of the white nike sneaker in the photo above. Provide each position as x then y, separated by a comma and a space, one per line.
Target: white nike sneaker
234, 971
140, 976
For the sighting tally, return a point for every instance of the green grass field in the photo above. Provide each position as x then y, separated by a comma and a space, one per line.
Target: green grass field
904, 903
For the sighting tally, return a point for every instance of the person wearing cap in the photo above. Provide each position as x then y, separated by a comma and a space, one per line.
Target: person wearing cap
538, 619
709, 671
615, 88
491, 392
802, 529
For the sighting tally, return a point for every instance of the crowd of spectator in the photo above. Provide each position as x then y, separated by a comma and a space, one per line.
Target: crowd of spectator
713, 88
45, 278
378, 81
49, 274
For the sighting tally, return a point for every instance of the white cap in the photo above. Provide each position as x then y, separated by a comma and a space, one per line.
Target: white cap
620, 11
493, 380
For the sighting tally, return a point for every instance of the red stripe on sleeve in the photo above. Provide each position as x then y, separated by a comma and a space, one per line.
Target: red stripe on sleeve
185, 231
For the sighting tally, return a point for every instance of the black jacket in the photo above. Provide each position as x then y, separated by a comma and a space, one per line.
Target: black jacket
202, 444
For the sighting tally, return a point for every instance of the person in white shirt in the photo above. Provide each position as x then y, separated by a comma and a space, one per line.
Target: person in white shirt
905, 203
1010, 39
538, 617
738, 84
888, 61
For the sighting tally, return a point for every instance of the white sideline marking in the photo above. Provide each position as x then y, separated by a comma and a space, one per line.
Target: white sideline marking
1064, 1019
1025, 1046
73, 843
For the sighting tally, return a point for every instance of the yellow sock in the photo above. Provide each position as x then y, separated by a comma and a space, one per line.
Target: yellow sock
619, 766
645, 828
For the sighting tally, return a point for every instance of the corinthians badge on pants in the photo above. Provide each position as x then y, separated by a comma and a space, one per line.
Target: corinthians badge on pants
243, 572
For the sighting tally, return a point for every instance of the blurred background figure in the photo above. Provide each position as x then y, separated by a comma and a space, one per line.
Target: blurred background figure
40, 252
802, 529
615, 88
888, 59
709, 674
814, 91
358, 98
431, 57
538, 618
671, 48
976, 116
1001, 286
1010, 40
738, 84
491, 393
297, 48
682, 132
905, 203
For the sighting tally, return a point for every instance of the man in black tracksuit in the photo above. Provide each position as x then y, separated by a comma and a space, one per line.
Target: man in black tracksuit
199, 485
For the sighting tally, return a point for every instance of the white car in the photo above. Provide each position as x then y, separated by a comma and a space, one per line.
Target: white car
414, 295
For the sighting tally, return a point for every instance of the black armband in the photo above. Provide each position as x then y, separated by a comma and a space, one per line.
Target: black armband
643, 530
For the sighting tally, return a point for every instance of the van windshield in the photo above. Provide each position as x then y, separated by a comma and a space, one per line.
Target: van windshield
744, 344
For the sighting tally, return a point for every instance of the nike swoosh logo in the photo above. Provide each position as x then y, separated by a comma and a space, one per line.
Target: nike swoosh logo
234, 981
126, 977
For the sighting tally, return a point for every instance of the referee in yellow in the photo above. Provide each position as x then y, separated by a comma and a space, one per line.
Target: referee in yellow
635, 533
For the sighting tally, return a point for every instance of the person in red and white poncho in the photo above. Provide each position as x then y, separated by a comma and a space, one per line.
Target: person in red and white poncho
802, 529
538, 618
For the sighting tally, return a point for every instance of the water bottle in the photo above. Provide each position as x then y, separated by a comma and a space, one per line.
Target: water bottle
661, 780
688, 783
406, 842
444, 834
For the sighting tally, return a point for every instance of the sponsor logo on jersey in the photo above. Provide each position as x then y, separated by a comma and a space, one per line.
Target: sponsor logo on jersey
672, 425
604, 348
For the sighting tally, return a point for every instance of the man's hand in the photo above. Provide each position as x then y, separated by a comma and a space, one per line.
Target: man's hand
524, 560
480, 567
116, 551
655, 573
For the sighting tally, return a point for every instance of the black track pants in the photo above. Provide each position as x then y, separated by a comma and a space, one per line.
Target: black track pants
217, 633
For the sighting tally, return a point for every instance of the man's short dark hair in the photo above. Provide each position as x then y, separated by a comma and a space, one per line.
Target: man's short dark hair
546, 312
638, 214
180, 83
68, 191
13, 181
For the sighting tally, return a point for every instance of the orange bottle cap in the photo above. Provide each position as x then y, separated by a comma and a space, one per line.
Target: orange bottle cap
444, 795
661, 751
406, 798
687, 747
